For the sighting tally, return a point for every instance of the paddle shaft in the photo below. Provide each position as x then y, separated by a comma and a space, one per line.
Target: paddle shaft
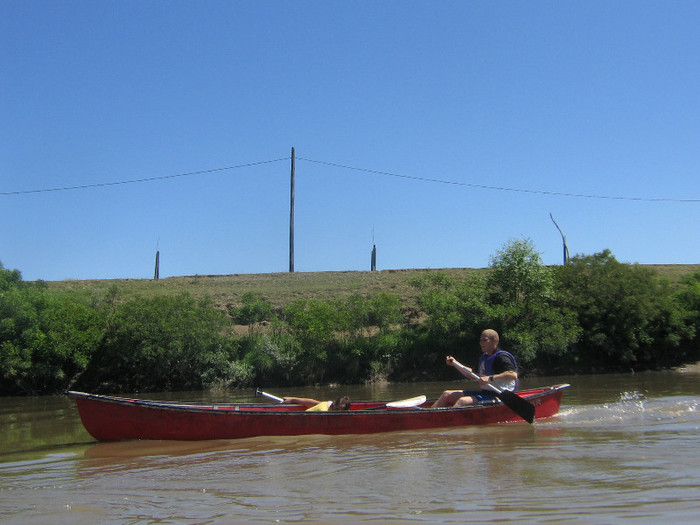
278, 399
517, 404
477, 378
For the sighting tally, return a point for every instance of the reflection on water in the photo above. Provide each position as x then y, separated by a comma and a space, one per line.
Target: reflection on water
623, 448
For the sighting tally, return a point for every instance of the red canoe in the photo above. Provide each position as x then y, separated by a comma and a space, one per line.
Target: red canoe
109, 418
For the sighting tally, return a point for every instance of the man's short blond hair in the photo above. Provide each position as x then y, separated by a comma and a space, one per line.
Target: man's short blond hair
491, 334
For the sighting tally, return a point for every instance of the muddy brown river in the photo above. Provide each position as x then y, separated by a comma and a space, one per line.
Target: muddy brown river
623, 449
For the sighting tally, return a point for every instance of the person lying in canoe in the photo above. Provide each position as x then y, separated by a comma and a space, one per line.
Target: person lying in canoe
341, 403
496, 366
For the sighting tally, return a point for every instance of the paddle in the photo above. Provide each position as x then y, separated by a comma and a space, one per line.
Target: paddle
403, 403
260, 392
407, 403
517, 404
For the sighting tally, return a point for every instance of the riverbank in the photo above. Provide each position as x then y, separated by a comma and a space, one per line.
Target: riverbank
343, 327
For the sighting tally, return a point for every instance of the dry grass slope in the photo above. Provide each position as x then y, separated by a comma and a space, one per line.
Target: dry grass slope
283, 288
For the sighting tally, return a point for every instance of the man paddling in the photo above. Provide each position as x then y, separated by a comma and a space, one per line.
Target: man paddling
496, 367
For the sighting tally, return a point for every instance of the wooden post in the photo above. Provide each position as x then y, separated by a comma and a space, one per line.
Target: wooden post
291, 219
156, 276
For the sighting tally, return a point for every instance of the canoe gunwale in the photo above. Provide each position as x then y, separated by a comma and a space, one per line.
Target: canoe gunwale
297, 410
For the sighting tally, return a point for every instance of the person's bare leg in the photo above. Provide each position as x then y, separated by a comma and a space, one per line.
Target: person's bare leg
447, 398
465, 401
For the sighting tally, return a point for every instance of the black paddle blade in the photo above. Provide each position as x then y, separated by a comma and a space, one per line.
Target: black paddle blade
517, 404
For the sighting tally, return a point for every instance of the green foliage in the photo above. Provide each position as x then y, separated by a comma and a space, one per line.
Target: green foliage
629, 318
320, 328
358, 315
313, 321
9, 278
384, 311
518, 275
594, 314
418, 356
163, 343
45, 340
689, 300
689, 297
274, 359
440, 302
521, 292
515, 299
254, 311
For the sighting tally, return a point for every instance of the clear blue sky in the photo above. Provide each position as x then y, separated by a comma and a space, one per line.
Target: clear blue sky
437, 130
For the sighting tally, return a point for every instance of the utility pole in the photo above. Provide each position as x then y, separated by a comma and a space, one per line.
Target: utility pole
156, 274
563, 238
291, 219
373, 265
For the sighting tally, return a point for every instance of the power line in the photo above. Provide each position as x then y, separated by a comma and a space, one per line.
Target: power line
365, 170
501, 188
147, 179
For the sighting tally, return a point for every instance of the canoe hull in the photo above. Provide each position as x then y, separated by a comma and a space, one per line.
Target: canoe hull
109, 418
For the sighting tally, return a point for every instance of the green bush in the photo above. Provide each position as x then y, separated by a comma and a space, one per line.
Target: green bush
161, 343
46, 341
629, 318
253, 312
274, 358
689, 300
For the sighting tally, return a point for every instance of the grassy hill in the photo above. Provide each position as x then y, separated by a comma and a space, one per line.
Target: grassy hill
282, 288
